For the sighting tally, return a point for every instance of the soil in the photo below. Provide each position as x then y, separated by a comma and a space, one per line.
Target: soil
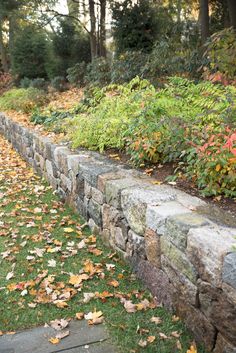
161, 172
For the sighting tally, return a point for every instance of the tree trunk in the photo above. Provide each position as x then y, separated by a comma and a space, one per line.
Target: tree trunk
232, 12
102, 42
93, 38
3, 51
204, 20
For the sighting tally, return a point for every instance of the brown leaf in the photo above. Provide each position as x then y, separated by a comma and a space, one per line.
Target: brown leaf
114, 283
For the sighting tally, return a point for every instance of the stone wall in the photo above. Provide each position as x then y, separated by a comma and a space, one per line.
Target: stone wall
180, 250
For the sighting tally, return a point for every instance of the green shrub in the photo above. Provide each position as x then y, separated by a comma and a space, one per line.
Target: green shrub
21, 99
25, 82
167, 125
76, 74
58, 83
98, 72
51, 120
127, 66
39, 83
221, 55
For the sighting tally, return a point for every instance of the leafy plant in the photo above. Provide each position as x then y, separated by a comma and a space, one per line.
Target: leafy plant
221, 55
165, 125
98, 72
76, 74
21, 99
58, 83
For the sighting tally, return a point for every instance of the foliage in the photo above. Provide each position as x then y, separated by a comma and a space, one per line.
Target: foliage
58, 83
76, 74
98, 72
127, 66
29, 54
5, 82
137, 25
70, 46
167, 125
221, 55
21, 99
51, 120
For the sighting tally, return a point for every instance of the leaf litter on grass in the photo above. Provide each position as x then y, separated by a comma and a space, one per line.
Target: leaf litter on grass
53, 270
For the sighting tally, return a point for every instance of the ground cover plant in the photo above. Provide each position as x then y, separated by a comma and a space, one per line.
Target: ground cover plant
52, 268
184, 122
21, 99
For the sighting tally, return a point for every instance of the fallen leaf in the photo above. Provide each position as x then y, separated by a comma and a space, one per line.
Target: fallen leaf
114, 283
151, 339
52, 263
68, 230
9, 275
142, 343
54, 340
79, 316
59, 324
193, 349
155, 319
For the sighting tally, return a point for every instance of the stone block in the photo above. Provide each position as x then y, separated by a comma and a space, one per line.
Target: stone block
220, 310
201, 327
91, 170
206, 249
184, 288
178, 226
153, 247
104, 178
178, 259
97, 196
119, 237
156, 216
229, 269
223, 346
94, 211
156, 281
134, 203
60, 156
87, 190
66, 183
135, 247
110, 216
82, 207
114, 187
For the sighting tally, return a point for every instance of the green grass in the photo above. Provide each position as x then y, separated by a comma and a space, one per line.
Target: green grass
20, 194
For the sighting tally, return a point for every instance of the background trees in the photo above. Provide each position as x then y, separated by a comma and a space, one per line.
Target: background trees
144, 37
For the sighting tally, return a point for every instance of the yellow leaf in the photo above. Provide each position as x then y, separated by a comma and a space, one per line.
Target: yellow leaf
193, 349
113, 283
151, 339
77, 279
79, 316
54, 340
218, 167
68, 230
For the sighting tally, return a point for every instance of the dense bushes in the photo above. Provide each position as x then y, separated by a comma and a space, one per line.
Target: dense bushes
22, 99
185, 123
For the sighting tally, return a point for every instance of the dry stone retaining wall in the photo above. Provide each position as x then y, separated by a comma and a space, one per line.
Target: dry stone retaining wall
181, 253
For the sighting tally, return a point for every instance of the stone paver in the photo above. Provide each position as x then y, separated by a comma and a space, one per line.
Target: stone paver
82, 338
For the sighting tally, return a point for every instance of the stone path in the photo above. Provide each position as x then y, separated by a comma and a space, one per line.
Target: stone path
82, 339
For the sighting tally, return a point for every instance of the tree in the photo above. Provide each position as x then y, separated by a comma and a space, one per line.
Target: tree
70, 46
135, 26
232, 12
29, 55
204, 20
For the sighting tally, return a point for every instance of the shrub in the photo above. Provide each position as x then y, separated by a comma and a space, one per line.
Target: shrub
21, 99
98, 72
39, 83
58, 83
167, 125
25, 82
221, 56
76, 74
51, 120
127, 66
